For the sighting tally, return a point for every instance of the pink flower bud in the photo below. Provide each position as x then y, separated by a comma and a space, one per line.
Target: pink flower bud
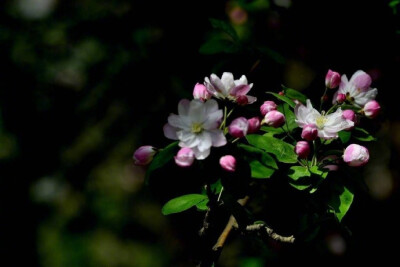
254, 125
274, 118
144, 155
242, 100
200, 92
332, 79
267, 107
350, 115
302, 149
371, 109
238, 127
340, 98
310, 132
228, 163
185, 157
356, 155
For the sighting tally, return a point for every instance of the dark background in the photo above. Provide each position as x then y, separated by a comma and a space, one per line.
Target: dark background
84, 83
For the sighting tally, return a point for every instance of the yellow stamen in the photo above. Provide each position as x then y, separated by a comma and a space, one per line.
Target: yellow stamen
197, 128
320, 122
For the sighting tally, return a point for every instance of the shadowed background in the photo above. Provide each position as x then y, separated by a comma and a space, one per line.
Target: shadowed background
84, 83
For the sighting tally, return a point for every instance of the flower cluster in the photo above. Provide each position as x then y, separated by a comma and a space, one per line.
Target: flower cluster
288, 137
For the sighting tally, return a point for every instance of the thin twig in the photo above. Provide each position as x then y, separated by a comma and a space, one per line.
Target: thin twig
270, 232
232, 221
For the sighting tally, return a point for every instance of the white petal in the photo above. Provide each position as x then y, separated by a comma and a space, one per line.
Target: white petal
327, 135
183, 107
227, 81
218, 85
218, 138
213, 120
364, 98
211, 106
343, 84
204, 141
170, 131
187, 139
242, 80
300, 112
197, 111
251, 99
176, 121
201, 154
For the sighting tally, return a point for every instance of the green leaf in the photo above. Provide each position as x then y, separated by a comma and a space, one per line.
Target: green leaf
294, 94
217, 45
260, 154
290, 122
352, 107
272, 54
161, 158
297, 172
320, 172
271, 131
202, 206
362, 135
182, 203
283, 98
341, 201
258, 170
283, 151
300, 187
344, 136
225, 27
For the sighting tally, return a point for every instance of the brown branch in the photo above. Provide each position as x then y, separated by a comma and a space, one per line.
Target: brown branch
270, 232
232, 221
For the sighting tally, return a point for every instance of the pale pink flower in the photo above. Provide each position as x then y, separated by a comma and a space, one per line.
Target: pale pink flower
357, 90
350, 115
196, 126
328, 126
228, 88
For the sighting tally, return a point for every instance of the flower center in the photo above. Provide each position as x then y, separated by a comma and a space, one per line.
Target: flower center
320, 122
197, 128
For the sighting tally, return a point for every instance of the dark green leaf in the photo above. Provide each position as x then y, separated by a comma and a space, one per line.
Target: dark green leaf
362, 135
346, 106
161, 158
217, 45
341, 201
344, 136
283, 151
271, 131
294, 94
272, 54
290, 123
258, 170
296, 172
283, 98
225, 27
260, 154
182, 203
216, 187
